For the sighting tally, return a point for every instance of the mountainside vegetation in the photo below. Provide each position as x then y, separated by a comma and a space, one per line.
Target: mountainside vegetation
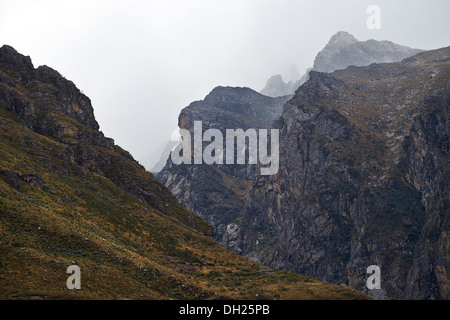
70, 196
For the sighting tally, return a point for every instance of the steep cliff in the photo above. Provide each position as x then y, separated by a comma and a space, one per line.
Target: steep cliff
218, 192
363, 180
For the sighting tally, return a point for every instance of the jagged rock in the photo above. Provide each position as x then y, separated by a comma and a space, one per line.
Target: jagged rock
363, 180
276, 87
343, 50
218, 193
10, 60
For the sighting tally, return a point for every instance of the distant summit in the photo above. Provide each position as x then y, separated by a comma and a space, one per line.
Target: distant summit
345, 50
276, 87
341, 51
342, 38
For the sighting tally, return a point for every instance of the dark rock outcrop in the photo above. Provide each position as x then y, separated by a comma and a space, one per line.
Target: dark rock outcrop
218, 192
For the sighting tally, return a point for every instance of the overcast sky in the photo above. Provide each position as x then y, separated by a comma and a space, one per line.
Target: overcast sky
141, 62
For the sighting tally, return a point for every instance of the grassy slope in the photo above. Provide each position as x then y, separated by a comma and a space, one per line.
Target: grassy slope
125, 249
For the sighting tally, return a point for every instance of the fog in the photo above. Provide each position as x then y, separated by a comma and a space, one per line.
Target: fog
141, 62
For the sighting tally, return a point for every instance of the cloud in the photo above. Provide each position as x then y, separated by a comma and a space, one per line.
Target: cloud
141, 62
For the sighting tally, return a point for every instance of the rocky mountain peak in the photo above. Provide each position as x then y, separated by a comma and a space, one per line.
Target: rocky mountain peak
345, 50
40, 94
341, 51
217, 193
221, 96
228, 107
10, 59
342, 38
276, 87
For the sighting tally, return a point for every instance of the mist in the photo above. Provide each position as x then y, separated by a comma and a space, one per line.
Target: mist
141, 62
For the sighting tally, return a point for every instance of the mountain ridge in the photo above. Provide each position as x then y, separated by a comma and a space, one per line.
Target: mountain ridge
70, 196
341, 51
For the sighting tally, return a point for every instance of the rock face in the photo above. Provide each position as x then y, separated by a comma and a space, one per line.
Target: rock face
427, 168
64, 96
363, 180
218, 192
343, 50
363, 170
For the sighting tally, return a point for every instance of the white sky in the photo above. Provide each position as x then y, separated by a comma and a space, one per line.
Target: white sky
141, 62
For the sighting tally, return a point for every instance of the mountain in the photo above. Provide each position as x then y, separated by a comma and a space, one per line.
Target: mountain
343, 50
363, 180
276, 87
165, 154
70, 196
363, 165
218, 193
